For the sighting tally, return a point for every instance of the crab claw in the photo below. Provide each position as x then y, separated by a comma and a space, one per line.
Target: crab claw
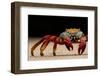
82, 46
68, 44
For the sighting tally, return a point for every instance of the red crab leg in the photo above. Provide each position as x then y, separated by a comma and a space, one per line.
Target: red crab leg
54, 48
45, 43
82, 45
33, 48
81, 48
57, 41
68, 43
43, 46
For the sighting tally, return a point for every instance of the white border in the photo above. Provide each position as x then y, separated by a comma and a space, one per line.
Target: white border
25, 64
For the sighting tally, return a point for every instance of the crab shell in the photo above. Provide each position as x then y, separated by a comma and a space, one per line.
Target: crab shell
75, 35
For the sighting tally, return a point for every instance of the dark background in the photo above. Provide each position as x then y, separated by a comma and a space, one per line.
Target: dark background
40, 25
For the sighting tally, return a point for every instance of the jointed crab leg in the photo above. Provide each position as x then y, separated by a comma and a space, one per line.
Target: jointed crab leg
57, 41
45, 43
54, 48
68, 44
82, 45
43, 46
81, 48
34, 47
67, 47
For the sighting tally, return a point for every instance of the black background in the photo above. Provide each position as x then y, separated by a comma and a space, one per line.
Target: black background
39, 25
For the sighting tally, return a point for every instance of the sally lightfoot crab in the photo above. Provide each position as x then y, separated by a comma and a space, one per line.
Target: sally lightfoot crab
66, 38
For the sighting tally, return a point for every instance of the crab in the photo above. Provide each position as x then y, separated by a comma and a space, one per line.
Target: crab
69, 36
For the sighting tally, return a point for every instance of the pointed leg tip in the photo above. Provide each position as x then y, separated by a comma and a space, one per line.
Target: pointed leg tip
54, 54
32, 54
80, 52
71, 48
41, 54
68, 48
